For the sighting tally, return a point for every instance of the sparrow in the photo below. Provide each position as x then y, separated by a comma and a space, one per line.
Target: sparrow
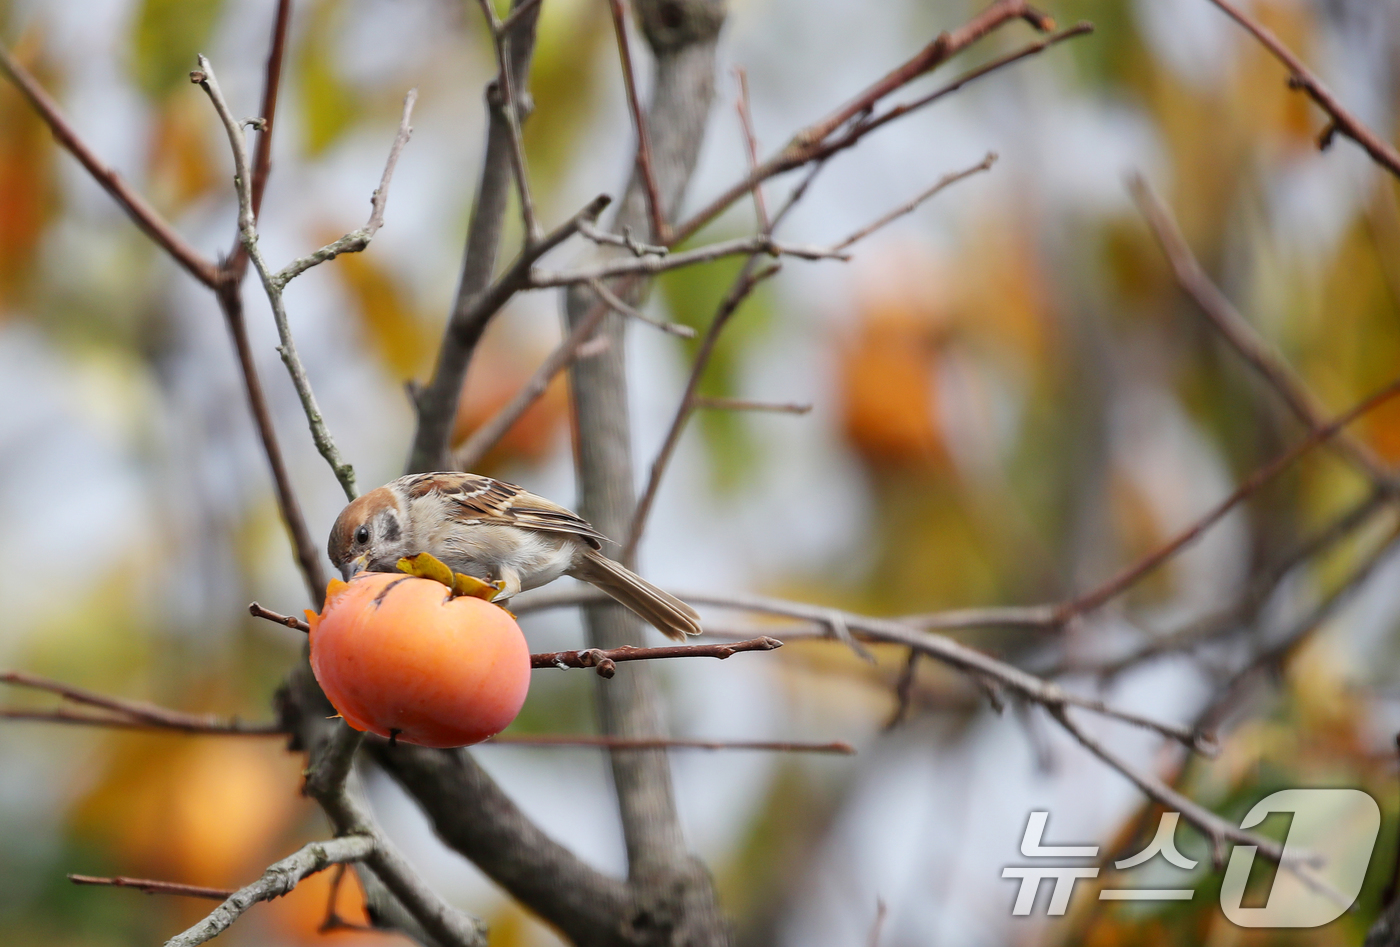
497, 532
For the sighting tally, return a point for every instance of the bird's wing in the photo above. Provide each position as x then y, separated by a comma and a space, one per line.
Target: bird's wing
484, 500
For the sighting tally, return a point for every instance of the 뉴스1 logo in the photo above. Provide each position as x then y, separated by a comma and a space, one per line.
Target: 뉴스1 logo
1329, 843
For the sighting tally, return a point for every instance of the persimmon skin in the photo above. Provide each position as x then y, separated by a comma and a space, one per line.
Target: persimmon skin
400, 657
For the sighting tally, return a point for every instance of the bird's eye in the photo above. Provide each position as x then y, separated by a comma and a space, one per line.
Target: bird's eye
362, 535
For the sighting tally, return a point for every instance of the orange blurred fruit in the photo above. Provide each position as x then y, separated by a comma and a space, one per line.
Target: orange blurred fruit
401, 657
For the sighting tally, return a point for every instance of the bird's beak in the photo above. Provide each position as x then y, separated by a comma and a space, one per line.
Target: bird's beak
349, 569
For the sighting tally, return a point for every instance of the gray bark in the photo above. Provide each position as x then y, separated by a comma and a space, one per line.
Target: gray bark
671, 884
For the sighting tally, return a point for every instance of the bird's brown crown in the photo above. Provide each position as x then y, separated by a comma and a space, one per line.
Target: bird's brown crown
360, 510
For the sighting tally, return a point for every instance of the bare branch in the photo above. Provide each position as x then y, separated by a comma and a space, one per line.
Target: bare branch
357, 240
895, 631
741, 104
651, 265
659, 229
647, 743
1241, 612
627, 240
998, 616
814, 142
309, 556
632, 312
877, 926
747, 281
947, 180
511, 111
237, 264
195, 725
134, 713
229, 295
436, 403
517, 14
1218, 831
1271, 659
862, 128
605, 660
741, 404
480, 442
1300, 77
247, 223
151, 886
143, 214
436, 408
1242, 337
1135, 572
475, 817
326, 782
279, 879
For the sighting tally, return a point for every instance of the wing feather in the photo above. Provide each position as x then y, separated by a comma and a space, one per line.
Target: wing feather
485, 500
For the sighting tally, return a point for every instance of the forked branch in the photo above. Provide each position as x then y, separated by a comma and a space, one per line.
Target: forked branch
1300, 77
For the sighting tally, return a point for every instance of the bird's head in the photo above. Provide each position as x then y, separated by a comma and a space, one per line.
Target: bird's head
370, 535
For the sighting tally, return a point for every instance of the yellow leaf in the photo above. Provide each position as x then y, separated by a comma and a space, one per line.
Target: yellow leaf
426, 566
328, 105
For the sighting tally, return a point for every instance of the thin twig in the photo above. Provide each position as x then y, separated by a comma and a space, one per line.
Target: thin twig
195, 725
257, 611
632, 312
436, 402
237, 263
741, 404
143, 214
1239, 613
484, 438
891, 631
904, 690
586, 658
357, 240
814, 143
279, 879
605, 660
1275, 656
503, 98
748, 280
223, 280
1241, 336
247, 223
510, 110
659, 743
628, 241
741, 104
137, 711
326, 775
1218, 831
465, 330
151, 886
1135, 572
651, 265
1301, 78
660, 230
908, 208
860, 129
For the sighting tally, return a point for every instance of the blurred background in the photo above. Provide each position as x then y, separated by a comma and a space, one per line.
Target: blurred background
1011, 400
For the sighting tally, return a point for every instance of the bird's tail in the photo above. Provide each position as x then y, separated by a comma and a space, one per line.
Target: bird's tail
668, 614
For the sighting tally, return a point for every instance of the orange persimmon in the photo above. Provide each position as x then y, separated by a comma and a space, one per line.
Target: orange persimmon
402, 657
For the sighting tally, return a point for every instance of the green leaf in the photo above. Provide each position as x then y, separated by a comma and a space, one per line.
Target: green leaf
168, 35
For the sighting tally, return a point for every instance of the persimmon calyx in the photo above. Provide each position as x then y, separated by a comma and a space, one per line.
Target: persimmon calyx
427, 566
